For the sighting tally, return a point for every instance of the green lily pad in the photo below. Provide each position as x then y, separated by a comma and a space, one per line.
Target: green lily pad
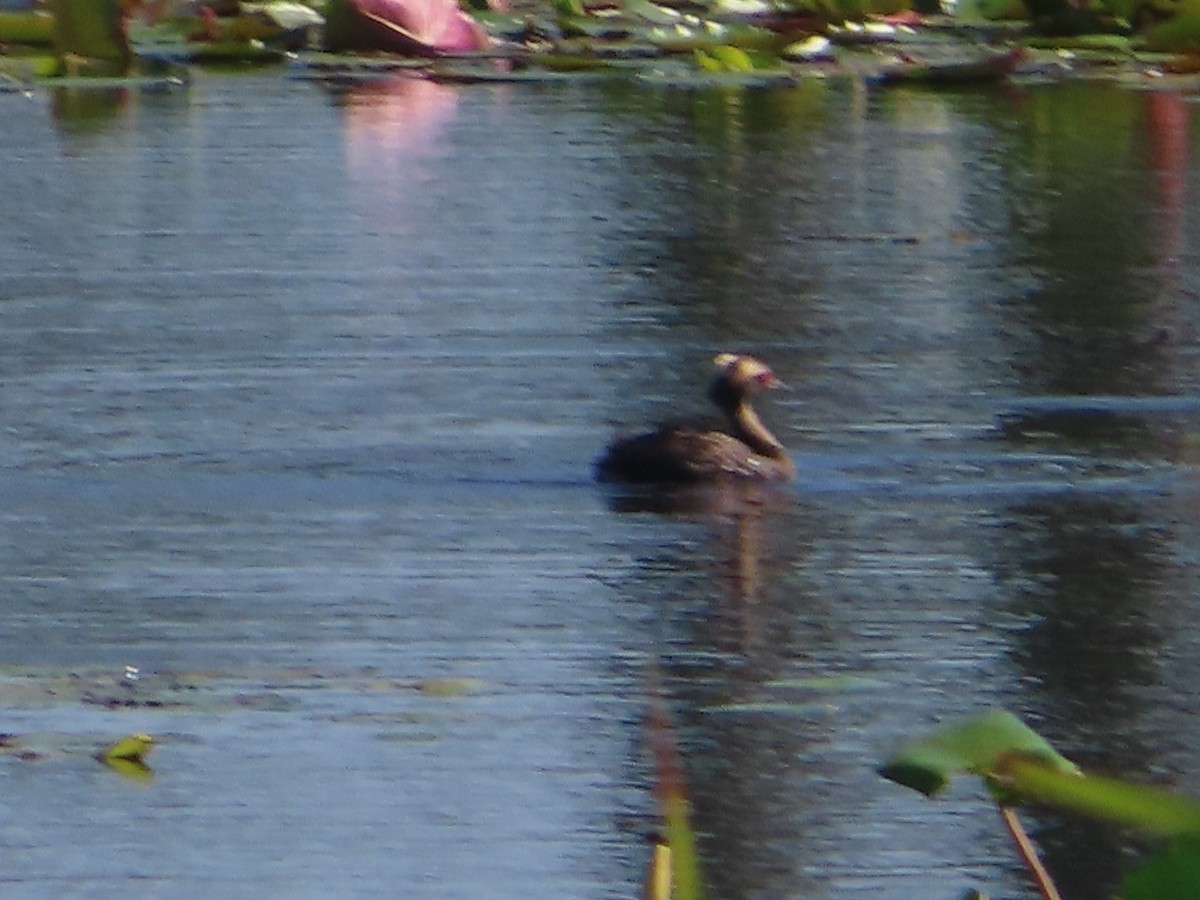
132, 747
977, 746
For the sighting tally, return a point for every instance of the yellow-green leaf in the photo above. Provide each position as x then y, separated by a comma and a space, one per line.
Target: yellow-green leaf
132, 747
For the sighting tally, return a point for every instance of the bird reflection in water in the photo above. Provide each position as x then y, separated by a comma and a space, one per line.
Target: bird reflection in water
733, 478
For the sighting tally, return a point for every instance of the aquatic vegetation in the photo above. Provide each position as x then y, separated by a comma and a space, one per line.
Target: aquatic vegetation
127, 756
674, 870
418, 27
1019, 766
90, 37
132, 747
725, 44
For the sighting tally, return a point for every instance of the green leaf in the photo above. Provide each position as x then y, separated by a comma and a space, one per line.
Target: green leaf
1132, 805
569, 9
92, 29
34, 27
733, 59
132, 747
976, 746
127, 756
652, 12
671, 791
1173, 875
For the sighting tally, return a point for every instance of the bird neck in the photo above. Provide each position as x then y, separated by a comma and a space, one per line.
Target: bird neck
748, 428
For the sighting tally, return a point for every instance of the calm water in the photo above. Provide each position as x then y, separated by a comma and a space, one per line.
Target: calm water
301, 389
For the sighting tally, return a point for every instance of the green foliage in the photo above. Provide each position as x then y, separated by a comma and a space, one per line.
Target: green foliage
344, 30
733, 59
127, 756
977, 746
671, 791
1130, 805
87, 30
31, 28
133, 746
1018, 764
839, 10
569, 9
1174, 875
1180, 34
990, 10
652, 12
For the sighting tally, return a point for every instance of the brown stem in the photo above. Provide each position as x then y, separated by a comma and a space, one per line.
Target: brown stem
1028, 853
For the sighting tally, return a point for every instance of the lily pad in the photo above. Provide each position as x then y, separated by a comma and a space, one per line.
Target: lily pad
977, 746
131, 747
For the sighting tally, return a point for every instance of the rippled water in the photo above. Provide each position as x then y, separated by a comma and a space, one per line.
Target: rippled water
302, 385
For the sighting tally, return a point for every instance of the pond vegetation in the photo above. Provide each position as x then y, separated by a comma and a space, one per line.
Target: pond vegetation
689, 43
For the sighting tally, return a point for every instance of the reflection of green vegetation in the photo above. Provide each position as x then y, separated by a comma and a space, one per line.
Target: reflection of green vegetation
1018, 765
1082, 188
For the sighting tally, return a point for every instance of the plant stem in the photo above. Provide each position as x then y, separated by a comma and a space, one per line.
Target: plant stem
1028, 853
658, 874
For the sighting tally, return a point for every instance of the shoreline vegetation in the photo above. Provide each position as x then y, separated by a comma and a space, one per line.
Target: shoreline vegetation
1149, 44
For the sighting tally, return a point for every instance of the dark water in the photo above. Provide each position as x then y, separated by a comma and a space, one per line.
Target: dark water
301, 389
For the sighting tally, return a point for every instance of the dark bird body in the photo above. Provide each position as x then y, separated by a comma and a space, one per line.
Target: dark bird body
679, 453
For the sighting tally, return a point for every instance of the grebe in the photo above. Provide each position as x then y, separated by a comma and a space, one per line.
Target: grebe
686, 453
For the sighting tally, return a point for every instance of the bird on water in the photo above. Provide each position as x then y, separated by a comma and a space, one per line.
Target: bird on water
677, 453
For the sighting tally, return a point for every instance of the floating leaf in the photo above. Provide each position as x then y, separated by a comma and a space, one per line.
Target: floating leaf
724, 59
91, 30
133, 747
976, 746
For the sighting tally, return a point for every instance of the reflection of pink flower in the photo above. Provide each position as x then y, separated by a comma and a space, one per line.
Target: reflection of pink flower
395, 144
436, 24
393, 119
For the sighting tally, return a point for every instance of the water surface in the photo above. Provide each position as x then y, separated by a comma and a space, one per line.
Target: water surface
302, 385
